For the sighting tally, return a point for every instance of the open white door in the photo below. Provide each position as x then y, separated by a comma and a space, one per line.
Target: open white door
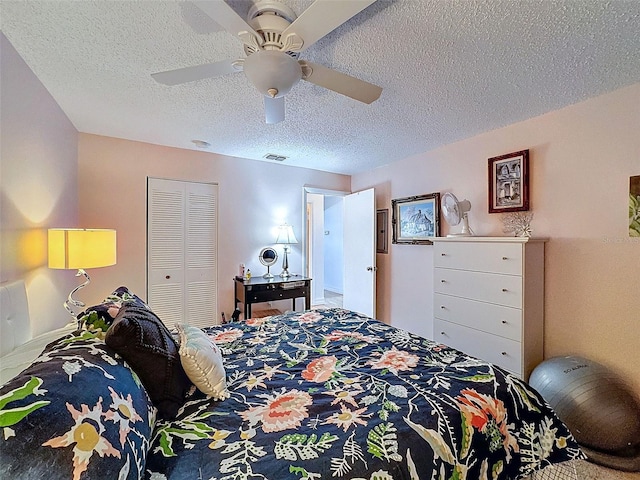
360, 252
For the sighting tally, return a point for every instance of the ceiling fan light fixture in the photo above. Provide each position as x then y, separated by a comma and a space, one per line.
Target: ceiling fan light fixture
272, 70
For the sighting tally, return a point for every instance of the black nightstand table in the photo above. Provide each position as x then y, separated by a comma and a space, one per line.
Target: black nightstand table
259, 289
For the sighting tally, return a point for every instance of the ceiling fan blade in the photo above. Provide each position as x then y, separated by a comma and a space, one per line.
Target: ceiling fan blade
274, 109
198, 72
340, 82
227, 18
322, 17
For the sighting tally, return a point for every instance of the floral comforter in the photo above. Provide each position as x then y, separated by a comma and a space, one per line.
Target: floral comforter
333, 394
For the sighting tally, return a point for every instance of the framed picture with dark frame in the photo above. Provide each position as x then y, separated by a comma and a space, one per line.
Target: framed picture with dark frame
415, 219
382, 225
634, 206
509, 182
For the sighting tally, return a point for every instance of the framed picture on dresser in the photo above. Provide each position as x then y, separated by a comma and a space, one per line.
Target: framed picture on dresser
509, 182
416, 219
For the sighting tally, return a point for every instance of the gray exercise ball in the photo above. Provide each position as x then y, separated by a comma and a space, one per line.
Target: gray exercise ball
596, 405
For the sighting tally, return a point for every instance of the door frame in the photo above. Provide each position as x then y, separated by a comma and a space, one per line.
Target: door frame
305, 218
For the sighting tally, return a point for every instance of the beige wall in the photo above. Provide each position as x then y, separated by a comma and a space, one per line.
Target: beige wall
581, 158
38, 187
254, 197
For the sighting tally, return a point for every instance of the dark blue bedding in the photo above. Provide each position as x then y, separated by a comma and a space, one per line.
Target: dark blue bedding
333, 394
314, 395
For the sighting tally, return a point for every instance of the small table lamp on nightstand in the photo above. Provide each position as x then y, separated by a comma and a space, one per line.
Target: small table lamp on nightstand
71, 248
285, 237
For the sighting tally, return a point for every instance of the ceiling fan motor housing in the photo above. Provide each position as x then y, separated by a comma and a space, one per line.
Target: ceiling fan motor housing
269, 19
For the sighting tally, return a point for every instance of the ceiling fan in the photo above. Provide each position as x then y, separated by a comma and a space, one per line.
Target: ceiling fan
273, 38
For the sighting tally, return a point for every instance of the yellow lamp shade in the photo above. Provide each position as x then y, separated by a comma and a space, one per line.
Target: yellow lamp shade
71, 248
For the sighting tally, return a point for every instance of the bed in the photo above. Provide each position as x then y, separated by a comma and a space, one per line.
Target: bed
319, 394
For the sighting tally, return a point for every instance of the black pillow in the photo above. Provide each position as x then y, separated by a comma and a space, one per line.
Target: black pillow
146, 344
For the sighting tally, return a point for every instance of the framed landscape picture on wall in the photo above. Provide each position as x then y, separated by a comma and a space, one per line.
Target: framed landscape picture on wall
509, 182
415, 219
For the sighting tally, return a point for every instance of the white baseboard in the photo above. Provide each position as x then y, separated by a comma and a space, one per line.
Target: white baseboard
337, 291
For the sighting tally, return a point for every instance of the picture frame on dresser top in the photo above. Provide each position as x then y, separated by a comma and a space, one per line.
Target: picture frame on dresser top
509, 182
415, 220
489, 299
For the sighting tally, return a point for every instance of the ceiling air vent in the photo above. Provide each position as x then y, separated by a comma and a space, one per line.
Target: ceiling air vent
273, 156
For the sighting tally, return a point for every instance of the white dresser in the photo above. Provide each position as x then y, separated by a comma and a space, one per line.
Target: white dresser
489, 299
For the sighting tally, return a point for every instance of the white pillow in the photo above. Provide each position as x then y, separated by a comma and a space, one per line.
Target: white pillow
202, 361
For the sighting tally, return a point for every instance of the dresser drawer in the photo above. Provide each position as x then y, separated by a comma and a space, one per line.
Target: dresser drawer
479, 257
488, 317
486, 287
491, 348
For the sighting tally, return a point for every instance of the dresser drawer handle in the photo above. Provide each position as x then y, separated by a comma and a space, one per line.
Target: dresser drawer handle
505, 290
442, 333
442, 307
504, 354
443, 281
505, 258
504, 322
443, 254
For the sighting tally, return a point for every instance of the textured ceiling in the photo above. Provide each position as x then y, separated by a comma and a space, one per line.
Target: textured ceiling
449, 69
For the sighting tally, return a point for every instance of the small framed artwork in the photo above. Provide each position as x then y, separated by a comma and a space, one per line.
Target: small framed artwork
382, 225
634, 206
415, 219
509, 183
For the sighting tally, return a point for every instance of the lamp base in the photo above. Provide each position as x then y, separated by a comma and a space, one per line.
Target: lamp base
285, 264
72, 301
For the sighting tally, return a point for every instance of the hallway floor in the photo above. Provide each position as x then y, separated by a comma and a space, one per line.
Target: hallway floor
331, 300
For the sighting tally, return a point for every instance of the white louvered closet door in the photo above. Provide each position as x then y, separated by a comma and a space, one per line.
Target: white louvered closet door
182, 251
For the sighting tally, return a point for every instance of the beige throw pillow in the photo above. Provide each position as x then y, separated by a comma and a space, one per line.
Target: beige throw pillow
202, 361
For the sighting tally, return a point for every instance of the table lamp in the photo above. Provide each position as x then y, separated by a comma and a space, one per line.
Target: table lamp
286, 238
71, 248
